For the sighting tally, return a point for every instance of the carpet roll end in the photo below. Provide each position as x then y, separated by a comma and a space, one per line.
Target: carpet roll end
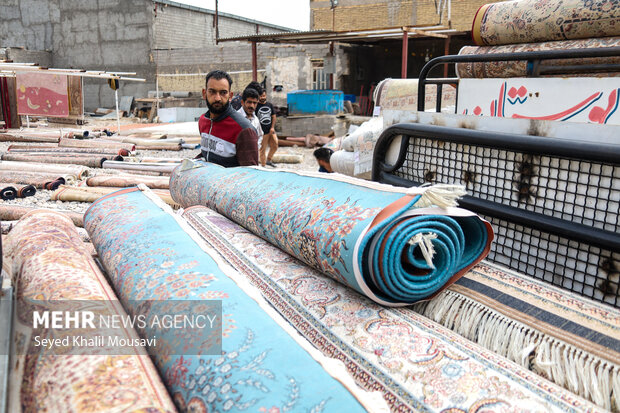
441, 195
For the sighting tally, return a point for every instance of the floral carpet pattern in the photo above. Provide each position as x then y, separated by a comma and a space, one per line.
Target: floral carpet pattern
151, 254
530, 21
516, 68
368, 236
417, 364
50, 262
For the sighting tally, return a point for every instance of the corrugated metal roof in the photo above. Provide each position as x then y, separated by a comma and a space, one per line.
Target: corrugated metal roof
354, 36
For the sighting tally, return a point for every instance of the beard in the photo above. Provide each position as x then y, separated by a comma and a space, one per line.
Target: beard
217, 110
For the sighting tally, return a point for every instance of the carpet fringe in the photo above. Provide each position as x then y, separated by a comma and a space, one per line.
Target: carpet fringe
584, 374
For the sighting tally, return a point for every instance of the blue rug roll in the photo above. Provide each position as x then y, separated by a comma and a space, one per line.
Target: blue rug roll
155, 260
394, 245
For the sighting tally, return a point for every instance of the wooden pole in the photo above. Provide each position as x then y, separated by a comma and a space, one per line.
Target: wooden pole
217, 24
118, 115
254, 62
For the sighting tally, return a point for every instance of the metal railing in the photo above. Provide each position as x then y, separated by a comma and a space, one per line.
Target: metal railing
535, 66
554, 203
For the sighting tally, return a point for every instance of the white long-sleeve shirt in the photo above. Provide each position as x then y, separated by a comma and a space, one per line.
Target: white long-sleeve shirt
255, 122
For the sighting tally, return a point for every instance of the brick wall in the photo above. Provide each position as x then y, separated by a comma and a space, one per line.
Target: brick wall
371, 14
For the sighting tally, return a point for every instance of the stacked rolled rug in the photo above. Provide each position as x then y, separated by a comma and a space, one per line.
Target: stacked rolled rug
152, 254
531, 21
356, 150
589, 33
52, 270
393, 245
532, 25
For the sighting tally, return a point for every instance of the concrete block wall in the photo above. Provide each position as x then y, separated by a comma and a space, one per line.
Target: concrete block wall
317, 125
21, 55
113, 35
178, 26
139, 36
184, 45
277, 62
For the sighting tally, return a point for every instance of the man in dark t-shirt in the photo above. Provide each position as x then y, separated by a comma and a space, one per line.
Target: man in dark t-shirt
267, 117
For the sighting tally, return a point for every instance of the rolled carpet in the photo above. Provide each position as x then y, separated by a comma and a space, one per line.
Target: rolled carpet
39, 180
15, 212
402, 94
69, 172
19, 137
287, 158
393, 245
51, 264
163, 167
12, 190
517, 68
263, 364
93, 193
379, 344
95, 143
7, 191
24, 191
159, 146
35, 145
147, 159
137, 140
530, 21
65, 150
91, 161
71, 152
344, 162
123, 181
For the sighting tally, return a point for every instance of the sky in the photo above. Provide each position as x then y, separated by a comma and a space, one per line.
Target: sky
294, 14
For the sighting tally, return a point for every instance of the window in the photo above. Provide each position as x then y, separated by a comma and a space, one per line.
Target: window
320, 79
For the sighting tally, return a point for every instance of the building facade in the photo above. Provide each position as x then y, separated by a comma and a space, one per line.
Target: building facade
374, 14
150, 38
174, 45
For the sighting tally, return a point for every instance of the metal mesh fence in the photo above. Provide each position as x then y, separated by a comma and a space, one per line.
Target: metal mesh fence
578, 191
